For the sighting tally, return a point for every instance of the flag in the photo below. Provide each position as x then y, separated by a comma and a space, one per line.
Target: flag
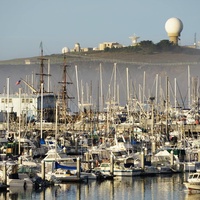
18, 82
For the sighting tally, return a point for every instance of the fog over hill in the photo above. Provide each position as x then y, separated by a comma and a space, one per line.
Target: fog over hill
171, 65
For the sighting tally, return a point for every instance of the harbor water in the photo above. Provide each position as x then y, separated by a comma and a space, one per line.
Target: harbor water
165, 187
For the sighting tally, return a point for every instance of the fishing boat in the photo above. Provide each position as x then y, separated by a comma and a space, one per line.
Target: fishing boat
193, 181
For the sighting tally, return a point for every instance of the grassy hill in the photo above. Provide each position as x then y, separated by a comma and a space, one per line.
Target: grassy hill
182, 55
171, 64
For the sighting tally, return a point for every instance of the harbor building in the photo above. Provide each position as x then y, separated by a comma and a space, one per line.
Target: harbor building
29, 105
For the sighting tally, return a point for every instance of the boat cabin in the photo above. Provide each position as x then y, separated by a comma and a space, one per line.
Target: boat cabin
194, 177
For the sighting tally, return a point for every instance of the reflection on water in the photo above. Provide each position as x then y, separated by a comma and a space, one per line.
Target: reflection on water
168, 187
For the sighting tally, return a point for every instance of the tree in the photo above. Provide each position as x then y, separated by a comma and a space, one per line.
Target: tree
147, 46
165, 45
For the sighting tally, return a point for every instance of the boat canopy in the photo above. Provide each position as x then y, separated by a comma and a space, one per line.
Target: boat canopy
59, 166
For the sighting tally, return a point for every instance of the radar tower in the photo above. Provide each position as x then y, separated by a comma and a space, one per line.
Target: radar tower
134, 39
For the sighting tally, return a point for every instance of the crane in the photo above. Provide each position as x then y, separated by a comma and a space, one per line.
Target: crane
32, 88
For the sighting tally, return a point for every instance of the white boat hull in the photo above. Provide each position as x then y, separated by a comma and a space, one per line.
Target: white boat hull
123, 173
192, 185
20, 183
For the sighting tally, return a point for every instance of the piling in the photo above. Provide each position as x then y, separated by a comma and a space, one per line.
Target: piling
4, 174
43, 169
78, 166
20, 160
153, 147
142, 160
145, 151
111, 165
103, 140
76, 145
172, 158
199, 156
87, 160
64, 150
31, 152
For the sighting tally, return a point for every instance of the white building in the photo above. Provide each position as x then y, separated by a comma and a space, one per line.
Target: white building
77, 47
104, 45
28, 104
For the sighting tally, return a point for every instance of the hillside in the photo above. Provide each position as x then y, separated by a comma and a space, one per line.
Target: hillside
184, 55
171, 64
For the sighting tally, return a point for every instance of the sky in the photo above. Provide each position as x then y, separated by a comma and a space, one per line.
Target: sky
63, 23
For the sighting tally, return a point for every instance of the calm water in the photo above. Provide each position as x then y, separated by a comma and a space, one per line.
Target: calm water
140, 188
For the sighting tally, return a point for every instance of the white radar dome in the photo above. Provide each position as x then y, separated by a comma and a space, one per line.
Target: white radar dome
174, 26
65, 50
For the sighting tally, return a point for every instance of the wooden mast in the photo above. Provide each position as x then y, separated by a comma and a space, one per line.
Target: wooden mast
64, 96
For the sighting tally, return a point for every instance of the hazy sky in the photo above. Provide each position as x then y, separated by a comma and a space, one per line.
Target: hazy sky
62, 23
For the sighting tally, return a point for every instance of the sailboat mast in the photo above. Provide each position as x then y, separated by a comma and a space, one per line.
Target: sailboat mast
188, 86
144, 86
167, 102
56, 128
115, 79
127, 85
77, 86
8, 96
64, 94
127, 90
41, 112
64, 91
101, 90
175, 105
42, 59
41, 69
19, 148
156, 98
118, 95
48, 86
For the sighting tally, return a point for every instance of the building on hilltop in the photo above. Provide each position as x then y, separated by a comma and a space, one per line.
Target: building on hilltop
77, 47
104, 45
65, 50
86, 49
27, 62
